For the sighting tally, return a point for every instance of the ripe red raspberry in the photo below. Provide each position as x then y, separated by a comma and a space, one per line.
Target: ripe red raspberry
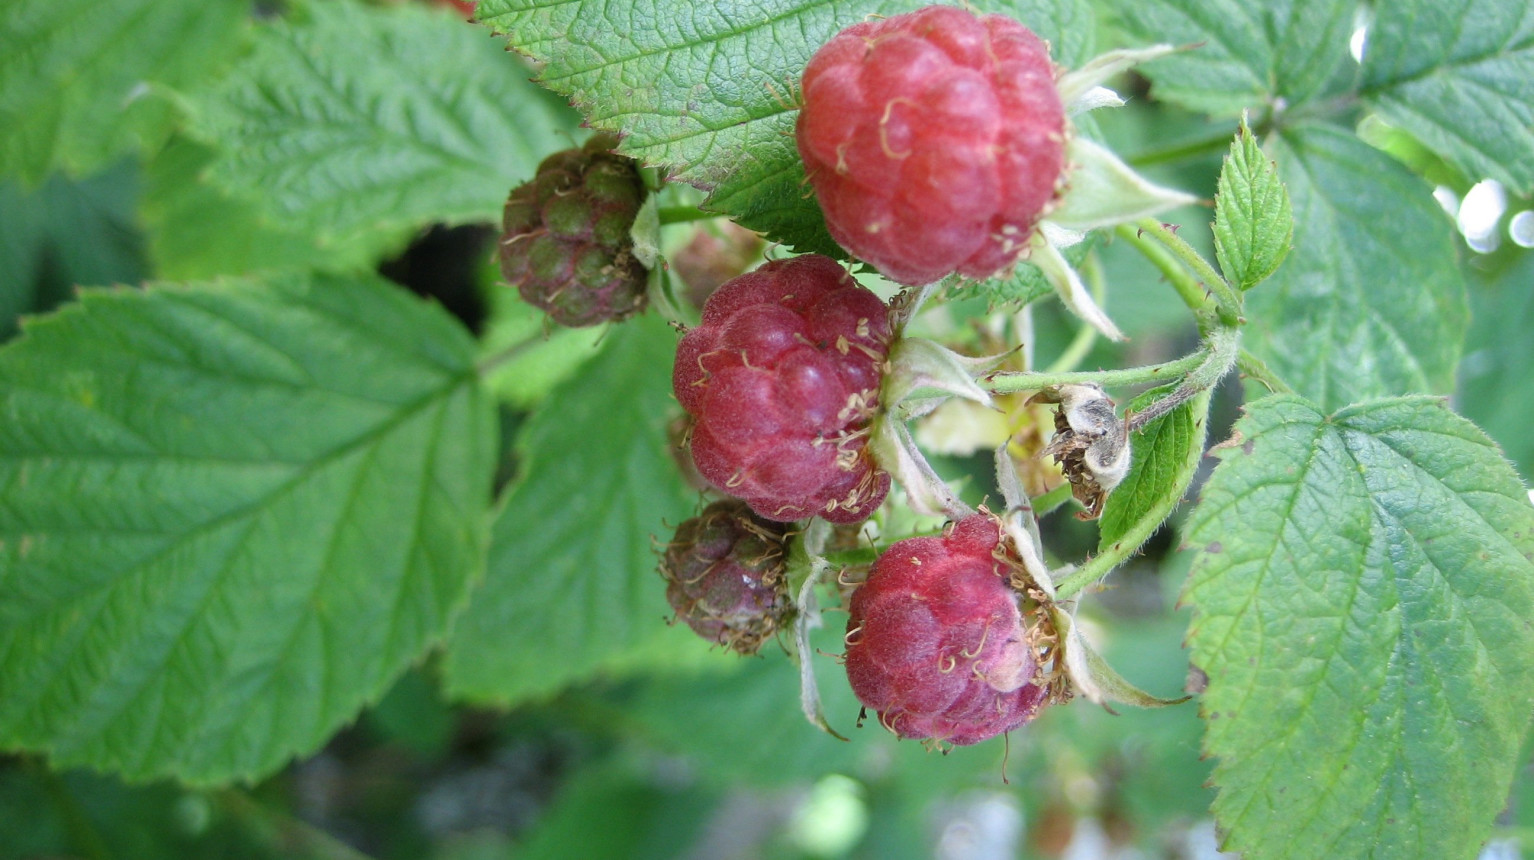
934, 141
936, 643
566, 244
782, 378
724, 575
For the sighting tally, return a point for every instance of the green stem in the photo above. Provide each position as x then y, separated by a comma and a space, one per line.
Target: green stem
489, 363
1219, 357
1187, 149
1223, 346
1227, 300
683, 214
1009, 382
1253, 367
1193, 295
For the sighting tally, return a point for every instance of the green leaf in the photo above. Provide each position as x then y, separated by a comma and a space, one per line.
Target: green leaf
1499, 369
83, 82
65, 233
199, 230
708, 89
230, 515
1253, 224
1371, 302
1241, 54
1164, 455
1363, 591
1458, 74
351, 121
572, 588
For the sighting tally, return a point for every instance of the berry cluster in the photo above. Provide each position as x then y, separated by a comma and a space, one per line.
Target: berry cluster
781, 378
936, 643
566, 243
724, 576
934, 141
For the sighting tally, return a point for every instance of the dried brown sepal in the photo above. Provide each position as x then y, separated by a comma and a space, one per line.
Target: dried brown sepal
1091, 443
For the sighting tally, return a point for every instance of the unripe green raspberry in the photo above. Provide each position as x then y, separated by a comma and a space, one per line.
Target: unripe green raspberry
566, 245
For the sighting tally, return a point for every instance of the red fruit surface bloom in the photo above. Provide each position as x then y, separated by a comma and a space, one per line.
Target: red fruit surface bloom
936, 643
934, 141
781, 379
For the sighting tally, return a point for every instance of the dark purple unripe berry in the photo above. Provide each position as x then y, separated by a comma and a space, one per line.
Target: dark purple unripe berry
724, 573
566, 243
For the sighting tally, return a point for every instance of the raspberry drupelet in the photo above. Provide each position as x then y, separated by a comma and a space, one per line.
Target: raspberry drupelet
936, 643
782, 379
935, 141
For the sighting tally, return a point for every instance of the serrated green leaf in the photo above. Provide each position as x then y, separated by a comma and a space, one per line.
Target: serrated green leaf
1241, 54
1458, 74
349, 121
1253, 224
230, 514
63, 234
82, 82
199, 230
707, 89
1498, 371
1363, 596
572, 587
1371, 302
1164, 455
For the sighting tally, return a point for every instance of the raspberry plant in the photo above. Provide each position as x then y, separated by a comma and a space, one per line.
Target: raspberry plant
1021, 261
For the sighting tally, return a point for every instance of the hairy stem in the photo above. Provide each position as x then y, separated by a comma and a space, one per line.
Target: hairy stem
1009, 382
1227, 300
489, 363
683, 214
1219, 357
1193, 295
1223, 346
